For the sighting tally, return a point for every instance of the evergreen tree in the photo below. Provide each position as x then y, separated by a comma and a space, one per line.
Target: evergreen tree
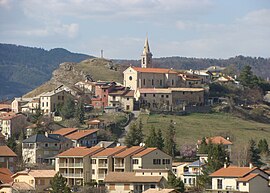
246, 76
217, 157
134, 136
253, 154
59, 184
263, 146
11, 143
68, 108
203, 148
80, 111
151, 140
160, 140
175, 183
169, 142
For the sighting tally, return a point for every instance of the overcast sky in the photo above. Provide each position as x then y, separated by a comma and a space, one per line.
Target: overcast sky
191, 28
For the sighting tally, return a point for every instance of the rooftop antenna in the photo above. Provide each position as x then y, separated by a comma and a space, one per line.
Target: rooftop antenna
101, 53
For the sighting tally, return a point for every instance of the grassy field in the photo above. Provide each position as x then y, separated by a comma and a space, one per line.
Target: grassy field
192, 127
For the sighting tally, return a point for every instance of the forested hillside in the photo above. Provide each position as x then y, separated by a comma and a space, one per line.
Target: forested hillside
260, 66
24, 68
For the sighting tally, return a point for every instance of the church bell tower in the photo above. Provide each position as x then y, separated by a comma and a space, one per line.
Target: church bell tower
146, 60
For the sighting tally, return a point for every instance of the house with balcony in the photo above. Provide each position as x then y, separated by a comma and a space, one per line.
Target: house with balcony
123, 99
103, 162
39, 180
8, 158
42, 148
126, 182
191, 173
96, 124
178, 168
75, 164
234, 179
11, 124
123, 160
83, 137
151, 158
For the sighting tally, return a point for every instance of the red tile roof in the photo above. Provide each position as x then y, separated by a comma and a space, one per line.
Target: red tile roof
232, 171
145, 152
81, 133
5, 175
110, 151
5, 151
65, 131
37, 173
248, 177
80, 151
217, 140
130, 151
155, 70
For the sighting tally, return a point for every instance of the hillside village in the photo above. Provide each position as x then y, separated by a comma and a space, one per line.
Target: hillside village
101, 135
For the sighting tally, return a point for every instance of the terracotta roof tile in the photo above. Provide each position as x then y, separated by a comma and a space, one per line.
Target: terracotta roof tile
232, 172
154, 190
145, 152
155, 70
19, 186
125, 177
5, 151
248, 177
130, 151
80, 151
110, 151
5, 175
81, 133
37, 173
65, 131
217, 140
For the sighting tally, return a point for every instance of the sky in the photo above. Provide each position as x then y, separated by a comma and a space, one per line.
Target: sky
188, 28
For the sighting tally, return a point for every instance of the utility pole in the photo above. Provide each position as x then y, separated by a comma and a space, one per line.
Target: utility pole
101, 53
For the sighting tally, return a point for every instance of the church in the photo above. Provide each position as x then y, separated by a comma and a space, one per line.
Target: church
161, 88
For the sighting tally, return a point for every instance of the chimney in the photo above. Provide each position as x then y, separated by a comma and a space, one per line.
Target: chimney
46, 133
250, 165
77, 145
225, 165
228, 138
142, 144
118, 144
102, 144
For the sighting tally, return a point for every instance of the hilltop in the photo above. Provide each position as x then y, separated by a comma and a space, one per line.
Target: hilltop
69, 73
24, 68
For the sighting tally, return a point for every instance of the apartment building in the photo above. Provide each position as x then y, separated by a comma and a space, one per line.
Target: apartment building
7, 158
11, 124
50, 100
75, 164
38, 179
151, 158
123, 160
103, 162
169, 98
239, 179
123, 99
126, 182
41, 148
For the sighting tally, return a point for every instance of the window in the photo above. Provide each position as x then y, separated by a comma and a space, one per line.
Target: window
42, 104
127, 98
185, 180
93, 171
130, 78
189, 180
156, 161
143, 81
2, 159
154, 95
152, 186
160, 82
143, 60
93, 161
162, 96
219, 183
11, 159
62, 97
244, 183
145, 95
55, 144
46, 144
183, 93
152, 81
167, 96
135, 161
112, 187
166, 161
47, 104
172, 82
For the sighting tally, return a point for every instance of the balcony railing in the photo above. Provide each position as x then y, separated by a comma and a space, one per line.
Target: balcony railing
119, 165
102, 164
72, 175
101, 176
70, 165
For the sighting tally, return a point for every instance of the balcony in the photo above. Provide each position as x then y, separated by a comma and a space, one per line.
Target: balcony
72, 175
103, 165
119, 165
101, 175
70, 165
